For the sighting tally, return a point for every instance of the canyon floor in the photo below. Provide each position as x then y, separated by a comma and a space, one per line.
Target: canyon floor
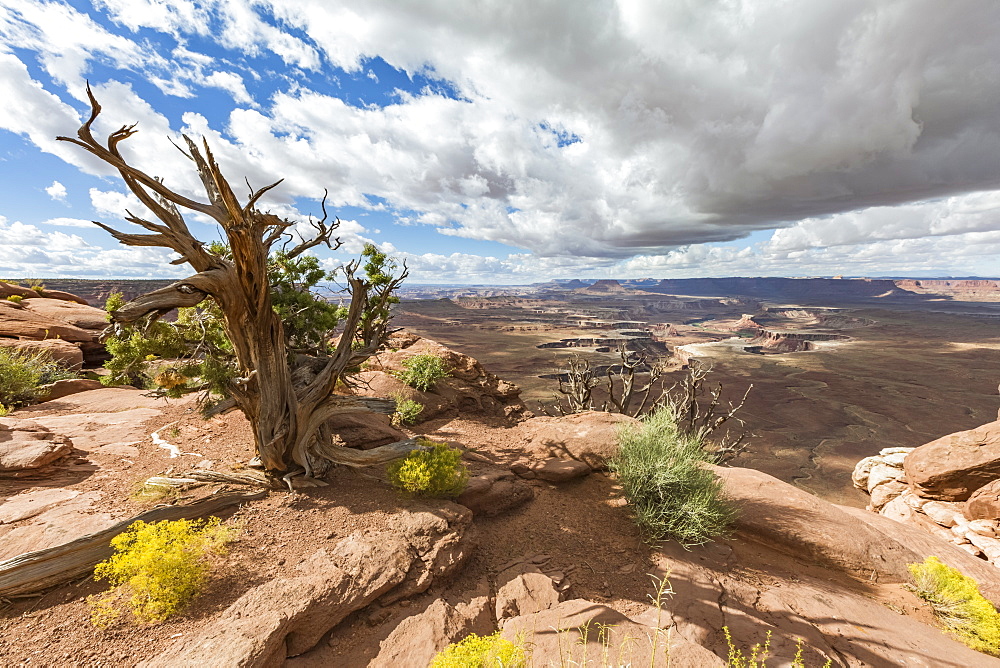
909, 370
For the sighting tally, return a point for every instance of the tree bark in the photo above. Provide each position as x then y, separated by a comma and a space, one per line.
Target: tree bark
287, 420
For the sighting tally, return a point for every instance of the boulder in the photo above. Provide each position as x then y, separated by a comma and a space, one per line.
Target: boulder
795, 522
984, 504
495, 493
552, 470
35, 502
69, 354
525, 594
72, 313
106, 418
590, 437
951, 468
884, 493
470, 389
17, 322
580, 632
289, 615
9, 289
418, 638
945, 514
64, 388
60, 295
882, 476
26, 445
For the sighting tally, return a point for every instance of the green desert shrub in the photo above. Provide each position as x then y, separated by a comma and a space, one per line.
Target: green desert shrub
407, 411
15, 299
437, 472
22, 373
423, 371
475, 651
163, 565
958, 604
663, 478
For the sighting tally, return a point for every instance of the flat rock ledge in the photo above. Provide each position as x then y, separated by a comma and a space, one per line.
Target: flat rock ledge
288, 616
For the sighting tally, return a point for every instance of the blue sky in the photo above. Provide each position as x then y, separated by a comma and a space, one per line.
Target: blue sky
511, 142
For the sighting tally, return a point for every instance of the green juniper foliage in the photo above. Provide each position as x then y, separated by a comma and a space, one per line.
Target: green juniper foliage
194, 352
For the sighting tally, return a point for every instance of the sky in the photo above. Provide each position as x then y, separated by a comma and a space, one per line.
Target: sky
510, 142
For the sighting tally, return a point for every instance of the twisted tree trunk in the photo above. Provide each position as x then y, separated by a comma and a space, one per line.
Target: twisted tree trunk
288, 419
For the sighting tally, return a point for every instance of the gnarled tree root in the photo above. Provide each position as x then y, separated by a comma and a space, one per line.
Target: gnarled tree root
294, 480
33, 572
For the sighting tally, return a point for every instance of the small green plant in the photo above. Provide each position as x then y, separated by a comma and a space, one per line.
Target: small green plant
437, 472
22, 373
663, 478
958, 604
407, 411
162, 565
38, 288
758, 653
473, 651
423, 371
15, 299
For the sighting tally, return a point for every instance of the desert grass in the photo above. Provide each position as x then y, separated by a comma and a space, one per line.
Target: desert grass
664, 480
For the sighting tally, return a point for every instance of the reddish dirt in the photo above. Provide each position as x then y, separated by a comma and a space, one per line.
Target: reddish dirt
581, 527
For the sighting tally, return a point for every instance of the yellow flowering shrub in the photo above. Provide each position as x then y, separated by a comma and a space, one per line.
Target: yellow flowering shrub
958, 604
163, 565
474, 651
439, 471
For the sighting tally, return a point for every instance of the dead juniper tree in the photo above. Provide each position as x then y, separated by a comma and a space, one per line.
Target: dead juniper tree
701, 419
286, 395
621, 388
697, 411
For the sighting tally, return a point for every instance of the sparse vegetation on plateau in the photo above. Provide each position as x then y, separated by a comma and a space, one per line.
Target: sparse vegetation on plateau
958, 604
163, 565
473, 651
22, 373
423, 371
664, 481
15, 299
437, 472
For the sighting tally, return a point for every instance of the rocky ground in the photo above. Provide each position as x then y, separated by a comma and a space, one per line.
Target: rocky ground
541, 544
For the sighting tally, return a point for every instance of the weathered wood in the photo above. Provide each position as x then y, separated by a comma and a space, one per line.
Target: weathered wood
288, 416
32, 572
